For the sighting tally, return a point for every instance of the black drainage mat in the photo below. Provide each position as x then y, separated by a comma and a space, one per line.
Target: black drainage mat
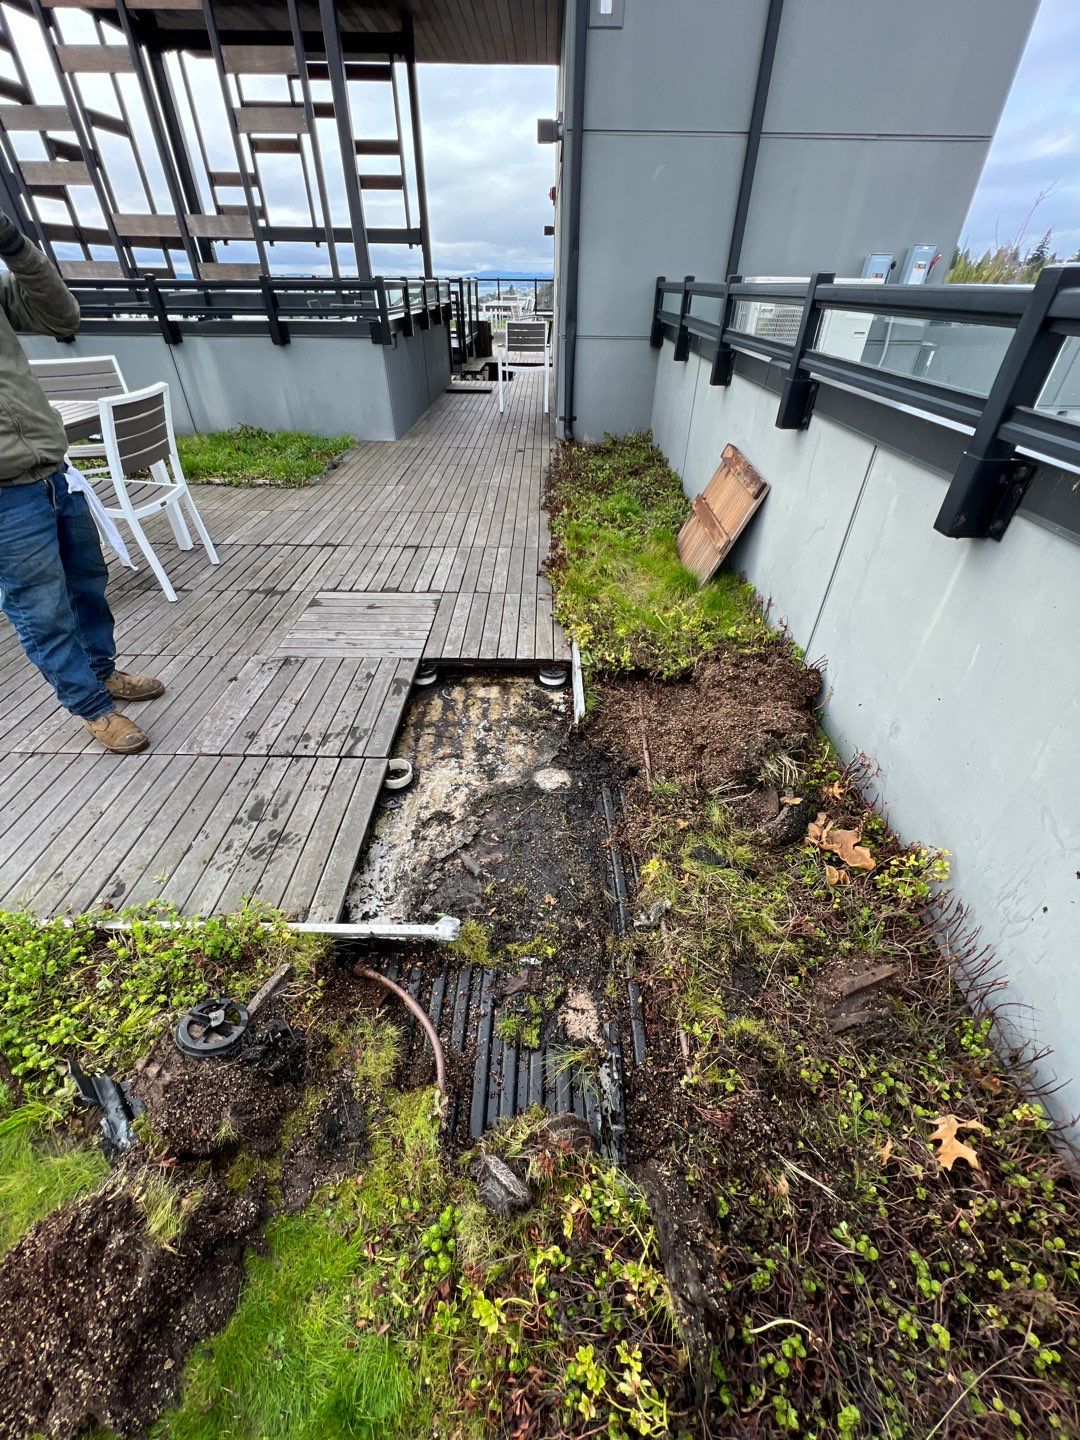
491, 1079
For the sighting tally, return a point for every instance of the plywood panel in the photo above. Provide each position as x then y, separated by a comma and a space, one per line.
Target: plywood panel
720, 513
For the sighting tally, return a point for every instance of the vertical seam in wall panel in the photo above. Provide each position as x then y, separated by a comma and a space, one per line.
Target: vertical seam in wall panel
689, 425
840, 552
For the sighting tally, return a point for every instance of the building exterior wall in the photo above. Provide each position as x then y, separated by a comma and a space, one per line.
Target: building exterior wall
952, 664
875, 131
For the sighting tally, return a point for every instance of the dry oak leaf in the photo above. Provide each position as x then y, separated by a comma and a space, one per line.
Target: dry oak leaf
844, 843
885, 1151
953, 1149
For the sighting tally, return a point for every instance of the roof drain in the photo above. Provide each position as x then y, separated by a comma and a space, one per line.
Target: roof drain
573, 218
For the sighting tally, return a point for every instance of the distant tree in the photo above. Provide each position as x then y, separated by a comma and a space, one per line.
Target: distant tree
1040, 256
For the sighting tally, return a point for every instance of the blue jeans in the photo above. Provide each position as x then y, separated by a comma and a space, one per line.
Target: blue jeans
52, 589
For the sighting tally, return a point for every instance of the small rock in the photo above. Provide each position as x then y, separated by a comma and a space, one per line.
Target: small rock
787, 827
550, 777
499, 1188
650, 919
566, 1128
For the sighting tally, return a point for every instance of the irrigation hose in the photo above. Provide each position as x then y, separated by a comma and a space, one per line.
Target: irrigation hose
362, 972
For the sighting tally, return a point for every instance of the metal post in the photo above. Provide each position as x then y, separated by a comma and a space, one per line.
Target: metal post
417, 139
682, 335
406, 318
238, 149
381, 333
172, 183
169, 330
178, 143
82, 135
753, 133
279, 331
797, 396
339, 90
656, 334
316, 153
723, 366
990, 481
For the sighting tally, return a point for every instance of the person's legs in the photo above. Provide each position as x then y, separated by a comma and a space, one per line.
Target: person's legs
87, 576
35, 597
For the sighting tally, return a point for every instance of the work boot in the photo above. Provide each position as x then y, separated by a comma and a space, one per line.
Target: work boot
117, 733
123, 686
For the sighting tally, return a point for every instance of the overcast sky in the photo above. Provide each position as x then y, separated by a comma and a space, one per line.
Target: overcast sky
1037, 146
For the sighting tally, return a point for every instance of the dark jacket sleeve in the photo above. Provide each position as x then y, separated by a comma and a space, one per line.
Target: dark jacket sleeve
33, 296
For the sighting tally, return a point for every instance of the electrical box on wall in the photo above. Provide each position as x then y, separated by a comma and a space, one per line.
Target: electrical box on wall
877, 266
917, 262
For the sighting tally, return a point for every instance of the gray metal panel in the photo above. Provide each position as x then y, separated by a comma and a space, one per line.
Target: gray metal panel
927, 67
650, 205
614, 386
824, 204
681, 65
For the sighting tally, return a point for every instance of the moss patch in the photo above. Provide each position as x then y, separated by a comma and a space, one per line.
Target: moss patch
246, 455
621, 591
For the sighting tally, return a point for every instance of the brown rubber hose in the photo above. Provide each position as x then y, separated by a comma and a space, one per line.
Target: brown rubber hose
363, 973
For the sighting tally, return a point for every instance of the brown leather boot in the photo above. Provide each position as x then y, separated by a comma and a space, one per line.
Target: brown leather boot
123, 686
117, 733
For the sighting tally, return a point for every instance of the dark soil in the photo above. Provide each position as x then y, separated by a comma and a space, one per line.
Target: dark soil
97, 1318
532, 858
715, 729
207, 1108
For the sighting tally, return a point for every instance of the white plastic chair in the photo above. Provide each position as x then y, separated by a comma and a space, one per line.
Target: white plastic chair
527, 348
137, 434
86, 378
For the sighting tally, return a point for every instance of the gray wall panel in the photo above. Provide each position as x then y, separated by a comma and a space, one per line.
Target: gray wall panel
928, 67
651, 204
417, 370
670, 68
614, 386
937, 654
825, 204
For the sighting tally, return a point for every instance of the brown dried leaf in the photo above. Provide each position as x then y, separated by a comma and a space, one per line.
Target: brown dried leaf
790, 799
885, 1151
953, 1149
845, 843
817, 830
836, 876
835, 791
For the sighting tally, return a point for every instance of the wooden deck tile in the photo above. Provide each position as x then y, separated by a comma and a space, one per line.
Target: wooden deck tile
288, 667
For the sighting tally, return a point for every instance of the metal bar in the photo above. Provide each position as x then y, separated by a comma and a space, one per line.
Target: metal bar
313, 136
279, 333
961, 407
682, 335
797, 396
990, 482
167, 327
753, 135
656, 334
417, 139
203, 155
723, 366
1045, 434
339, 89
401, 148
125, 259
982, 304
157, 130
230, 115
51, 151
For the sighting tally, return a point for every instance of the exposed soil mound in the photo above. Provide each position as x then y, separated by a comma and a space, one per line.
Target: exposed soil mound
716, 728
97, 1318
201, 1108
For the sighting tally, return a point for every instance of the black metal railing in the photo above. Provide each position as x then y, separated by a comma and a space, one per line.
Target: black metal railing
273, 306
992, 478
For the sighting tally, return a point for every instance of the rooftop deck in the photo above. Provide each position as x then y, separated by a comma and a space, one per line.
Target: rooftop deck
288, 669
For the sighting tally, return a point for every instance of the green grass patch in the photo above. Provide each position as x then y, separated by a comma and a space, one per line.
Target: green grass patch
71, 991
40, 1170
246, 455
620, 589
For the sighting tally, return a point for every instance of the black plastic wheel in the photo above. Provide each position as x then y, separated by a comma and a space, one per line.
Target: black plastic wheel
211, 1029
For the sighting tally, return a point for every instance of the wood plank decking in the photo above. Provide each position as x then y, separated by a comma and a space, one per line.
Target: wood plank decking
288, 668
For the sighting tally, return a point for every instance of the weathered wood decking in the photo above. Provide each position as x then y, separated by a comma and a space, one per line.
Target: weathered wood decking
288, 667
